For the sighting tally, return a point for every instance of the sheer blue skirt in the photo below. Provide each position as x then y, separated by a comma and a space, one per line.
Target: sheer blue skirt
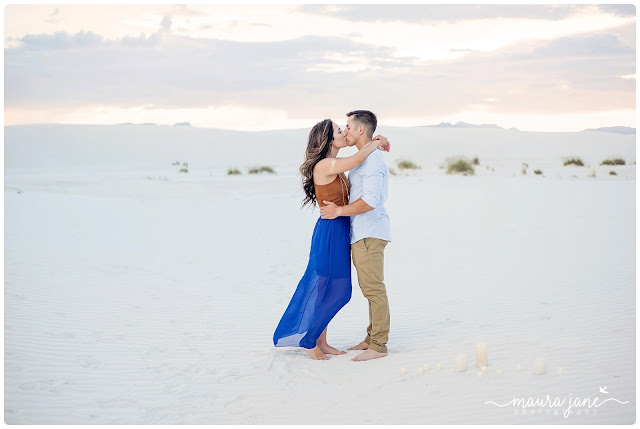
323, 290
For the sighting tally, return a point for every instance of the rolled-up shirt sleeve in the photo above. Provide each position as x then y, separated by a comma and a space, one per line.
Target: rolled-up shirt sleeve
372, 182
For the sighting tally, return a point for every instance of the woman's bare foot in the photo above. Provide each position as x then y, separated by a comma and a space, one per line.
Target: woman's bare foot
316, 354
326, 348
368, 355
361, 346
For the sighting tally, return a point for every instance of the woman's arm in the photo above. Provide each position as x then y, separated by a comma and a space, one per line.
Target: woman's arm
333, 166
372, 184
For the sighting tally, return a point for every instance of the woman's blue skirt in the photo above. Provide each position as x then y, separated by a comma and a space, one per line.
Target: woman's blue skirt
323, 290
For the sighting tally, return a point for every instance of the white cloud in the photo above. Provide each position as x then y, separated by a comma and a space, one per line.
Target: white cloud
440, 40
210, 62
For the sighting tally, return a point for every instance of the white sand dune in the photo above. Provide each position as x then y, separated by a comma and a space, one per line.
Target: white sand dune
135, 294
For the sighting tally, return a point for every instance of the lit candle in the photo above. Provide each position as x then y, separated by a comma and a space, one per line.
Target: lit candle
481, 355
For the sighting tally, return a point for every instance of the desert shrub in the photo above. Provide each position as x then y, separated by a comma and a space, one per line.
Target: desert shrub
460, 167
262, 169
476, 161
537, 171
233, 171
574, 161
183, 170
407, 165
613, 173
615, 161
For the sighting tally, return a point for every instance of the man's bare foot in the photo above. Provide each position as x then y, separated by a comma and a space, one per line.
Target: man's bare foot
316, 354
368, 355
361, 346
326, 348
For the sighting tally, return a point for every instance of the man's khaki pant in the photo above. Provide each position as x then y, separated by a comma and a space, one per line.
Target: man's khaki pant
368, 258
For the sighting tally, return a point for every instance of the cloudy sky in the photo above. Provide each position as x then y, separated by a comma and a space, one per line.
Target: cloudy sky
258, 67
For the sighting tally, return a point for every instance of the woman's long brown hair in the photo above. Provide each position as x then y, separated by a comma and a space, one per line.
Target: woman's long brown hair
318, 148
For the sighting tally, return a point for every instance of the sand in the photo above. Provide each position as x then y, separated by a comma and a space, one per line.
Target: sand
135, 294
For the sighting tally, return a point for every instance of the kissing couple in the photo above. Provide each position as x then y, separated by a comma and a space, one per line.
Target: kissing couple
353, 221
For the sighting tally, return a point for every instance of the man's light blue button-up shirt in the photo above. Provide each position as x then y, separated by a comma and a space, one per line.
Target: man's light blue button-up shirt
370, 181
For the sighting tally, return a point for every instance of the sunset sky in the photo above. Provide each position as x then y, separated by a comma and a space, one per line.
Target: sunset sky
262, 67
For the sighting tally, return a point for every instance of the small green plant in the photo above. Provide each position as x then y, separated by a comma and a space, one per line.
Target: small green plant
613, 173
185, 168
537, 171
233, 171
615, 161
460, 167
262, 169
476, 161
574, 161
407, 165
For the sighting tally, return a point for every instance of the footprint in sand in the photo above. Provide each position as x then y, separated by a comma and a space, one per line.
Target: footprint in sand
228, 379
48, 385
159, 369
175, 387
117, 403
238, 405
88, 361
29, 386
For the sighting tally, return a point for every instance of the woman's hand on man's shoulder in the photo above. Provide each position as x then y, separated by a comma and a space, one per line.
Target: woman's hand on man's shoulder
383, 143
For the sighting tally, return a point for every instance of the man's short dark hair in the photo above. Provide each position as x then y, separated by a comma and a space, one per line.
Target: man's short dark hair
366, 119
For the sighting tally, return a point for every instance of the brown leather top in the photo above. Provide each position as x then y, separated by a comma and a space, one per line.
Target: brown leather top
337, 191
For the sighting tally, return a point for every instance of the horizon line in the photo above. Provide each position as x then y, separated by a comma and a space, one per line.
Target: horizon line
186, 124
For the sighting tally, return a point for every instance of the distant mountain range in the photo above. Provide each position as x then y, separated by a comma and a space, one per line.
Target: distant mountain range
179, 124
617, 130
465, 125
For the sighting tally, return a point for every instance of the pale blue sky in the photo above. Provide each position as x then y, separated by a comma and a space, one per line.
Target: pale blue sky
255, 67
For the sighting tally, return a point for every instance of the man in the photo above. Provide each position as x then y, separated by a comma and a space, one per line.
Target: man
370, 231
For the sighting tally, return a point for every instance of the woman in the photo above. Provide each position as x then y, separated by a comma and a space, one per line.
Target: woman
326, 285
